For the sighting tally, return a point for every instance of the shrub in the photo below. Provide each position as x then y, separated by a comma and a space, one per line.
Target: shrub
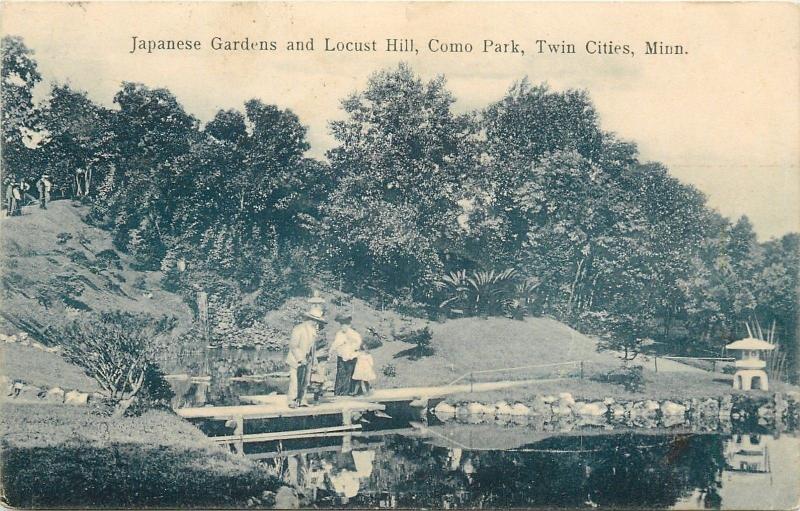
108, 259
421, 338
63, 237
478, 292
389, 370
116, 349
246, 316
630, 377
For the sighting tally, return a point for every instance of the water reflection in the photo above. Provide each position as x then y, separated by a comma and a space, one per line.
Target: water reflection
419, 469
203, 376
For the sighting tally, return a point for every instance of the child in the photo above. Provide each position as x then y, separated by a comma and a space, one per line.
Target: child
363, 373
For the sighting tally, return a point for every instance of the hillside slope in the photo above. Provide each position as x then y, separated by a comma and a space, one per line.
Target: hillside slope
53, 265
474, 344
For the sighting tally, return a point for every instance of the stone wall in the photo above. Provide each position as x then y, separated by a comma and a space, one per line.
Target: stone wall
780, 410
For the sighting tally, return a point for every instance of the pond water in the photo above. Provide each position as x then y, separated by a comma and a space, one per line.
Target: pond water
461, 466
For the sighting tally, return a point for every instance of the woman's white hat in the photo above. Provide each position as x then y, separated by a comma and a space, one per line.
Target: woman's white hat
316, 298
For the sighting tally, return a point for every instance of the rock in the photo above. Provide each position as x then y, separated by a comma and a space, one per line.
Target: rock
591, 409
502, 408
55, 395
549, 399
618, 412
766, 411
644, 413
560, 410
707, 407
673, 420
566, 399
476, 408
520, 409
30, 392
286, 498
669, 408
444, 411
75, 397
609, 401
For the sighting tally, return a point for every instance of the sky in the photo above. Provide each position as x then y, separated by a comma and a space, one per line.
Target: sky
724, 117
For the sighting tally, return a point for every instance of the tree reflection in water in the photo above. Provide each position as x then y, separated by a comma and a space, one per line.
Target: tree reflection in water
620, 470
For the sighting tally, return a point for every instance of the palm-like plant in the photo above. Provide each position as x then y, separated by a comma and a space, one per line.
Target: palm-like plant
477, 292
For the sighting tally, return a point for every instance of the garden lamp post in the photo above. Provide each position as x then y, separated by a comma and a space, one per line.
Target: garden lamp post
750, 373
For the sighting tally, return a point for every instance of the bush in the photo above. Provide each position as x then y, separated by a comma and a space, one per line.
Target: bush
108, 259
421, 338
116, 349
246, 316
389, 370
478, 292
630, 377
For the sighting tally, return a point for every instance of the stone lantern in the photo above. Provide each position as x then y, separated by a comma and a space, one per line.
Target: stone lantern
750, 373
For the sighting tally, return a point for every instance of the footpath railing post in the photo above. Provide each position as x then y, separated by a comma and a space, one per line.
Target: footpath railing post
655, 362
471, 382
581, 369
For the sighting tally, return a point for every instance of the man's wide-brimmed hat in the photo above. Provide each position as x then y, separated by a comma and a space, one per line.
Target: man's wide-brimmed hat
316, 314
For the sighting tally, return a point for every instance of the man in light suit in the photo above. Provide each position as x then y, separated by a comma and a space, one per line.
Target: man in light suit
302, 355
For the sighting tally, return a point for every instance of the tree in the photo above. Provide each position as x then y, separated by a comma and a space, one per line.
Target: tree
117, 350
77, 135
402, 159
20, 75
151, 132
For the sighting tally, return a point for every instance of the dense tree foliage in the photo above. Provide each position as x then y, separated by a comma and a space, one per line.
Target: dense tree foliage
414, 200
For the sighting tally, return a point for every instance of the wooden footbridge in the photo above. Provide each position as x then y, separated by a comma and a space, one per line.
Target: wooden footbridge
275, 406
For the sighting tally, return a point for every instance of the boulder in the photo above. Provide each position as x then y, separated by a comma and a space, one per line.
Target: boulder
560, 410
520, 409
539, 405
476, 408
502, 408
75, 397
55, 395
591, 409
671, 409
566, 399
444, 411
618, 412
549, 399
30, 392
707, 407
609, 401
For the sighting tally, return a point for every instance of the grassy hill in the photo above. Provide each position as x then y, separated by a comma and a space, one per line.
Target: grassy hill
53, 266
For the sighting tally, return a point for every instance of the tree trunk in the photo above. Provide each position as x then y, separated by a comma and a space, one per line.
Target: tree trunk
122, 407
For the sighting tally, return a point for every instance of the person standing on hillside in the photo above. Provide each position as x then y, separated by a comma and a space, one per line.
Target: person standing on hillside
81, 186
14, 194
345, 345
302, 355
8, 190
44, 185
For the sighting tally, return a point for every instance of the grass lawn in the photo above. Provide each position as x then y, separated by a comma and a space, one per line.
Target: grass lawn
42, 369
475, 344
55, 454
73, 456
